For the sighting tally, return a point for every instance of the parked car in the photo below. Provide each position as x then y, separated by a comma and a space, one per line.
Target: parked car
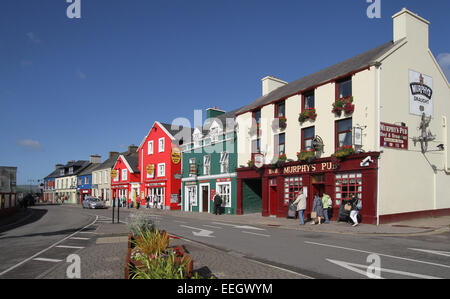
93, 203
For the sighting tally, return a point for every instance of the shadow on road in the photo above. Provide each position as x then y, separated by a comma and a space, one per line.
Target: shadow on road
21, 218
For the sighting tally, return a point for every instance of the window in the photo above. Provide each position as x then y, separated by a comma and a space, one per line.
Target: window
61, 171
99, 179
207, 165
348, 184
86, 180
197, 139
308, 100
280, 144
71, 170
214, 134
80, 181
161, 169
344, 132
307, 138
224, 162
256, 146
344, 88
124, 174
161, 145
105, 177
292, 186
280, 109
224, 190
257, 117
150, 147
192, 167
192, 195
116, 179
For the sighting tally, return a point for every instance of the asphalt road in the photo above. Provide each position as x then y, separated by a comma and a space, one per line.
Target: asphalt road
316, 255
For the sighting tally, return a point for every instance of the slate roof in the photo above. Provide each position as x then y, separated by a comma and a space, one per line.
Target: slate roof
88, 170
133, 160
180, 133
348, 66
108, 163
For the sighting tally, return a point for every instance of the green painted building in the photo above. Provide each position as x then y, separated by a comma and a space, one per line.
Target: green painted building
209, 163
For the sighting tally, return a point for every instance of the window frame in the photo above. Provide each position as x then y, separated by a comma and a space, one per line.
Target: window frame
338, 86
278, 144
224, 196
224, 162
277, 109
206, 165
339, 183
148, 147
122, 176
337, 133
303, 139
164, 168
161, 145
306, 94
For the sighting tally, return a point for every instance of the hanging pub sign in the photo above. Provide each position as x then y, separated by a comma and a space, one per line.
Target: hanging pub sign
420, 94
258, 160
176, 155
150, 169
393, 136
113, 173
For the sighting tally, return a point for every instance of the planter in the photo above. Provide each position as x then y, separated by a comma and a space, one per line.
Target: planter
181, 257
306, 156
308, 114
343, 105
279, 123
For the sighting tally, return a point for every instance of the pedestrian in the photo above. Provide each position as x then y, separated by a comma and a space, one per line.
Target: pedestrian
318, 208
356, 207
217, 203
147, 201
326, 203
300, 201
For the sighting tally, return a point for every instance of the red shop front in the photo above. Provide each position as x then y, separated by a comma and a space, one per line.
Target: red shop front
276, 186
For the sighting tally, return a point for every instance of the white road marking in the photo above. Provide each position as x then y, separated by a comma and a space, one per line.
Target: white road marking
79, 238
211, 226
69, 247
179, 221
444, 253
201, 233
354, 268
41, 259
46, 249
380, 254
262, 235
239, 226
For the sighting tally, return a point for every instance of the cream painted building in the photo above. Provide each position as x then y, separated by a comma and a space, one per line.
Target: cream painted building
101, 178
66, 181
390, 86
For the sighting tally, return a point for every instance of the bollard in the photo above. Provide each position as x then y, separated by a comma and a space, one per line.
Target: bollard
113, 204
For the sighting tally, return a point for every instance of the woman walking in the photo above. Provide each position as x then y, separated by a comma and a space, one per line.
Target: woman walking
318, 208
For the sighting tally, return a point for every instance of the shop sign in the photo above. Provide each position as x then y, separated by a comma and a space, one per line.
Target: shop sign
309, 168
176, 155
194, 183
154, 184
393, 136
213, 192
85, 191
150, 169
420, 94
223, 180
258, 160
113, 173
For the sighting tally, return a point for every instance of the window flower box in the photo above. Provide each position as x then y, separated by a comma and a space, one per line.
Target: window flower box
344, 104
279, 123
309, 113
343, 151
306, 155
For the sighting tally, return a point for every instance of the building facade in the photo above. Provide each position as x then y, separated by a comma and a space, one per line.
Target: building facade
101, 178
160, 165
209, 163
66, 181
8, 196
125, 176
349, 130
84, 179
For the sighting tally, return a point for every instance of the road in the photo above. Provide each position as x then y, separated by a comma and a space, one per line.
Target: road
316, 255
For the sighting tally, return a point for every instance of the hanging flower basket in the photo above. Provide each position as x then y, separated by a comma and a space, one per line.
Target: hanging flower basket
309, 113
279, 123
344, 104
306, 155
250, 163
343, 151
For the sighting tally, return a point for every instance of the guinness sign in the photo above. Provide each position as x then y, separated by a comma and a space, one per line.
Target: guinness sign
420, 94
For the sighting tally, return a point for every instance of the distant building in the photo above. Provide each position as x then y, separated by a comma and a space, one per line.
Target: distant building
101, 177
66, 181
125, 176
84, 178
8, 196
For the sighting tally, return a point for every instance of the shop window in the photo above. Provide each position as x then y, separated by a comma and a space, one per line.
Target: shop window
280, 109
308, 101
192, 195
344, 132
224, 190
207, 165
292, 186
307, 138
224, 162
344, 88
348, 184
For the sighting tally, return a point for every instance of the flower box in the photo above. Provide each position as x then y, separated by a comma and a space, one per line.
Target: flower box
344, 104
309, 113
306, 155
279, 123
343, 151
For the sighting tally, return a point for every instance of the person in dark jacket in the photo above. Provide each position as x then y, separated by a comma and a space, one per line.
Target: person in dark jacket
217, 203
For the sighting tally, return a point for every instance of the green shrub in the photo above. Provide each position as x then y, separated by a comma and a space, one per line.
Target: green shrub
138, 223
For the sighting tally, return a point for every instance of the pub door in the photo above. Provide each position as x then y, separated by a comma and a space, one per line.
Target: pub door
205, 191
273, 199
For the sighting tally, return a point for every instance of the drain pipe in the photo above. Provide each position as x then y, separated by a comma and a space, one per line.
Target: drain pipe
378, 145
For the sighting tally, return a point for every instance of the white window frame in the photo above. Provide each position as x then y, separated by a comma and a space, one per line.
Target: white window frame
191, 161
192, 201
161, 145
124, 175
224, 195
224, 159
164, 170
116, 179
150, 147
207, 165
105, 179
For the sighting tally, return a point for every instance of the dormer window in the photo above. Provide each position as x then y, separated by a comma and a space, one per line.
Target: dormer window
61, 171
197, 136
71, 170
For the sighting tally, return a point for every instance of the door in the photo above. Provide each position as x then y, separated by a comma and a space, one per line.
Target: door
205, 193
273, 200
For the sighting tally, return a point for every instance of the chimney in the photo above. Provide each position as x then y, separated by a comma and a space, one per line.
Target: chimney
132, 149
213, 112
113, 155
270, 83
95, 159
58, 166
412, 26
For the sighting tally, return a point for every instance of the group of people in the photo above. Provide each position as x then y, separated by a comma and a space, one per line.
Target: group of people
322, 206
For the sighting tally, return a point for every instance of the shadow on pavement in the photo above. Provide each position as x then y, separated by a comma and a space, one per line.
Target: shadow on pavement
29, 216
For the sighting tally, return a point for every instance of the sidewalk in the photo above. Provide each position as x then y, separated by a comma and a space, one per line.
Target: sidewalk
411, 227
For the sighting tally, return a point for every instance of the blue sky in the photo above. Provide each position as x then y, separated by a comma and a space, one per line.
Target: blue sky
74, 87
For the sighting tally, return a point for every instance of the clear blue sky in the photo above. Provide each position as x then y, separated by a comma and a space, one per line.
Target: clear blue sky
73, 87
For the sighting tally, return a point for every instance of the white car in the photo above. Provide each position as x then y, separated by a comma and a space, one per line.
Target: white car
93, 203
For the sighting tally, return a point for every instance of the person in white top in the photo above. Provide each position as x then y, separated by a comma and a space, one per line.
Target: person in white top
300, 201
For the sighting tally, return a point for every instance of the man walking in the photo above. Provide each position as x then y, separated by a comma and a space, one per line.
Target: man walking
300, 201
217, 203
327, 203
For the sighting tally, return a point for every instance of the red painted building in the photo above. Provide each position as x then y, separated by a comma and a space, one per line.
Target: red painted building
160, 165
125, 176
